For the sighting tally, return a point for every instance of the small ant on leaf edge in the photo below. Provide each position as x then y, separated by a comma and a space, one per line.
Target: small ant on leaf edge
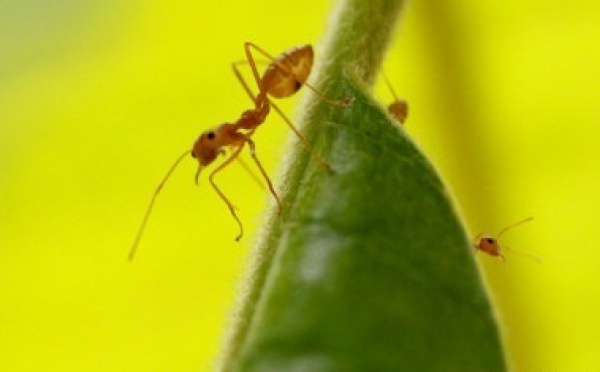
491, 246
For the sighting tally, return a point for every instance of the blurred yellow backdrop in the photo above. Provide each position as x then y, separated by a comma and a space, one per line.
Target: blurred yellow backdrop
98, 98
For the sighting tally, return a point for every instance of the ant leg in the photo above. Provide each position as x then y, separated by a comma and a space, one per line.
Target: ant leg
475, 242
252, 63
262, 94
244, 84
322, 163
242, 81
476, 239
222, 195
324, 98
250, 172
252, 147
250, 58
528, 255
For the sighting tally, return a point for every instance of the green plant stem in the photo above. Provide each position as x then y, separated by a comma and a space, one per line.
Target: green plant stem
371, 269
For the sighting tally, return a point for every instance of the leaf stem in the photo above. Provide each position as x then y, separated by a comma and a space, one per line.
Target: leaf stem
373, 269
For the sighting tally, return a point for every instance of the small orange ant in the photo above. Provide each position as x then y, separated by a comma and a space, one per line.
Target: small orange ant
490, 245
283, 77
399, 107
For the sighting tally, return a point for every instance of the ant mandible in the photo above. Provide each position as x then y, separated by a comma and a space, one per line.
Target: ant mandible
490, 245
283, 77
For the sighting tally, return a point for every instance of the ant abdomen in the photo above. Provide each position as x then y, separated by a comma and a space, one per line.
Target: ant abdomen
288, 72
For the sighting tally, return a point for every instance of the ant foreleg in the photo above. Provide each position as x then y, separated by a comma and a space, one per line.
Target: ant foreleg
222, 195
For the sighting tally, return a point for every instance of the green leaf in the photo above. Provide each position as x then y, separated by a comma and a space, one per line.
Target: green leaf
371, 270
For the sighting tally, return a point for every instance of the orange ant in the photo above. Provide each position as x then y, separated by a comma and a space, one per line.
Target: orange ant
490, 245
399, 107
283, 77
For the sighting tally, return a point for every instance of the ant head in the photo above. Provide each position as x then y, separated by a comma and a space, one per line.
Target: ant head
399, 110
207, 147
488, 245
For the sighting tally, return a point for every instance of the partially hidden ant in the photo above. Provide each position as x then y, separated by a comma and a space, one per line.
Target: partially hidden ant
399, 107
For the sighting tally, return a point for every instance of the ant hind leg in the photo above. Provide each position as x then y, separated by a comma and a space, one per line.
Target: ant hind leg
252, 147
322, 163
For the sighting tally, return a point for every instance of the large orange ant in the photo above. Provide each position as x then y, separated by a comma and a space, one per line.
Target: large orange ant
490, 245
283, 77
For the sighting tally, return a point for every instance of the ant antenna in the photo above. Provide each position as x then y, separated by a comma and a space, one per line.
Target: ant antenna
528, 255
389, 85
138, 237
513, 226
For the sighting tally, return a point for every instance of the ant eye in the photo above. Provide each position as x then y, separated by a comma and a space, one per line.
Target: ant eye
489, 240
210, 135
192, 153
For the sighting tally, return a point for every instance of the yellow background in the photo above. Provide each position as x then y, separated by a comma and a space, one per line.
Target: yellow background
98, 98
